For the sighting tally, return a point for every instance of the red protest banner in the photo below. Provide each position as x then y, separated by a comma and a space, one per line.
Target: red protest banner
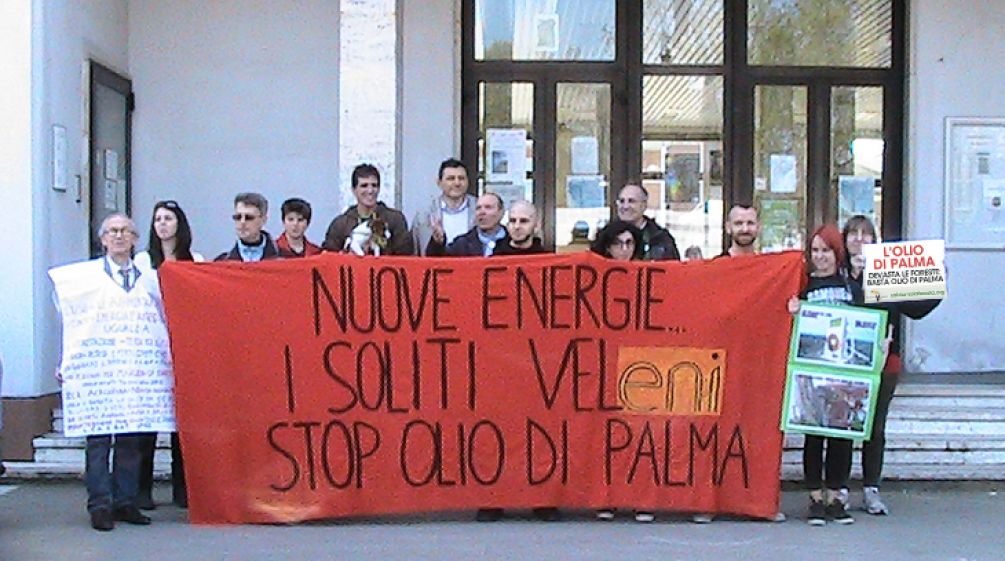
340, 385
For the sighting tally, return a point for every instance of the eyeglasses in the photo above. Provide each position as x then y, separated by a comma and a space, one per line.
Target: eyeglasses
240, 217
173, 205
115, 232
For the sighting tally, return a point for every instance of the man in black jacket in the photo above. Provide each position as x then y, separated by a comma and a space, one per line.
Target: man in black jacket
251, 212
480, 241
521, 227
658, 244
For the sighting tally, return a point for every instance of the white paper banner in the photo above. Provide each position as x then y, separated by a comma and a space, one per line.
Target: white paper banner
116, 363
904, 271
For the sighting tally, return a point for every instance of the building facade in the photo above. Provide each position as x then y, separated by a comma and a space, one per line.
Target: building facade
807, 109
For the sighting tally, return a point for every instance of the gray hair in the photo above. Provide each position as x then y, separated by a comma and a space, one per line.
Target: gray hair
253, 199
103, 229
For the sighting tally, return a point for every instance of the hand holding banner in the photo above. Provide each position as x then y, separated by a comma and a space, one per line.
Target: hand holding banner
339, 386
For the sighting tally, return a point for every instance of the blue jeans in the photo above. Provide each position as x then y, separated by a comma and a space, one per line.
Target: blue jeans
116, 488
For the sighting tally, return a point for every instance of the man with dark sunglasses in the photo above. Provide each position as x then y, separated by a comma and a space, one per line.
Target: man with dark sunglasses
251, 211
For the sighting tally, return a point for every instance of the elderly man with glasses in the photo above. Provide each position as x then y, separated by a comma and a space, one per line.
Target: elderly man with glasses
251, 211
113, 278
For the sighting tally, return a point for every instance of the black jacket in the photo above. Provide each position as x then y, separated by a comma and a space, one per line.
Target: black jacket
536, 247
235, 254
657, 243
467, 244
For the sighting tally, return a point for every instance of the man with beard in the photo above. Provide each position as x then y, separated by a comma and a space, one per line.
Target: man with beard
521, 226
743, 227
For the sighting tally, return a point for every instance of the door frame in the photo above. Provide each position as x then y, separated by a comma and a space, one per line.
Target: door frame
740, 78
105, 76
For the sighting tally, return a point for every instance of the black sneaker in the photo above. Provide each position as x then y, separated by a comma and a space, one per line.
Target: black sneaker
837, 512
547, 514
131, 515
489, 515
818, 514
101, 520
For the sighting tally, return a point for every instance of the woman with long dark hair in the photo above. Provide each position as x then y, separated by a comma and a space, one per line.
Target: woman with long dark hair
858, 231
170, 240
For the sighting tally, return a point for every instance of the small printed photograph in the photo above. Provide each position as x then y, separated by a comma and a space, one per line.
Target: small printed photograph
829, 402
837, 337
500, 162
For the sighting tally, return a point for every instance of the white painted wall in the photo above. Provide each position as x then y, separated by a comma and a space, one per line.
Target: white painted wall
231, 96
955, 71
64, 34
17, 343
431, 104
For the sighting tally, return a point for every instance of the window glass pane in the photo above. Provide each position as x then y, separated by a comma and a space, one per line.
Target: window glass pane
857, 152
544, 29
582, 163
506, 109
682, 32
682, 163
820, 33
780, 165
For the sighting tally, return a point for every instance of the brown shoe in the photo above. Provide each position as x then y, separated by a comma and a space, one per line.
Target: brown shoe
101, 520
132, 515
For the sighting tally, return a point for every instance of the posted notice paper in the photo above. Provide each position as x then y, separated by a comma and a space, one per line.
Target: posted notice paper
904, 271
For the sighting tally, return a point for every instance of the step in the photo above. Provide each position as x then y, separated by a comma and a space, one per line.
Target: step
58, 440
950, 390
955, 428
62, 470
927, 457
793, 471
928, 442
76, 455
915, 402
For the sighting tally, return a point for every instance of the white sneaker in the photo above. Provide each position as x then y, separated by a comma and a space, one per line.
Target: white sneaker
605, 514
872, 503
702, 518
644, 517
779, 517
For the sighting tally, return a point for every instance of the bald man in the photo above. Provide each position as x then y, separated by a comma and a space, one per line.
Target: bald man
521, 226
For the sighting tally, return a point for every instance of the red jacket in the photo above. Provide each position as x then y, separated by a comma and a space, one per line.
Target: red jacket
283, 245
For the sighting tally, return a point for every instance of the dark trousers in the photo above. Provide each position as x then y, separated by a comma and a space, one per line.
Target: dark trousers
874, 448
148, 445
115, 487
832, 469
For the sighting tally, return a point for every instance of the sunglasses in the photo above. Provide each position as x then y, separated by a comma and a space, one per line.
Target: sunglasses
239, 217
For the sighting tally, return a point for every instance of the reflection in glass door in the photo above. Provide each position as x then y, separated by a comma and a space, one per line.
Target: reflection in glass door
582, 163
780, 161
857, 151
505, 140
682, 158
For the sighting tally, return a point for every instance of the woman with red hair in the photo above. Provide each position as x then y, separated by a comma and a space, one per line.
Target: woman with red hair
827, 284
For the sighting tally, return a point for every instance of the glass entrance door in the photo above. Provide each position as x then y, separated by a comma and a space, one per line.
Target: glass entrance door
818, 157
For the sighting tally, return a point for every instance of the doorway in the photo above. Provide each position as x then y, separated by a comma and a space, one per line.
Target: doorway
111, 107
796, 107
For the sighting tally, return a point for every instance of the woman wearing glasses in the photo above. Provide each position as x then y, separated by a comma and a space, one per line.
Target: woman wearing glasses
170, 240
